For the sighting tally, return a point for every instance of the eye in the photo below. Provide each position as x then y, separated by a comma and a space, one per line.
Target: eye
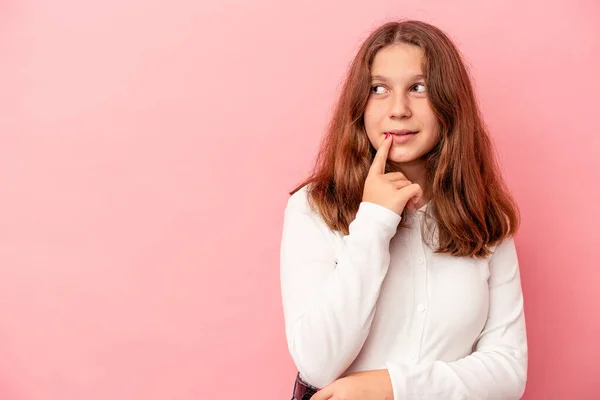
422, 89
374, 89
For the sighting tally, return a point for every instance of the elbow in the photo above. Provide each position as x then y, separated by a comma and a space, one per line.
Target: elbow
520, 384
521, 381
507, 376
515, 391
315, 369
319, 363
516, 388
319, 356
315, 377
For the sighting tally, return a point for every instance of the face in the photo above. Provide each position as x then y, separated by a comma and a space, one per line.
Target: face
398, 101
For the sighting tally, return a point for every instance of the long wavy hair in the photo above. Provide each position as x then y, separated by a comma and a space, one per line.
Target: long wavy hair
470, 203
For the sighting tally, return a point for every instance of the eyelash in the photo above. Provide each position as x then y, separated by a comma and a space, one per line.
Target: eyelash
420, 83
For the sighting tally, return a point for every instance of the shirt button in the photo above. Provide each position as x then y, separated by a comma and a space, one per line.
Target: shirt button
421, 308
420, 260
413, 358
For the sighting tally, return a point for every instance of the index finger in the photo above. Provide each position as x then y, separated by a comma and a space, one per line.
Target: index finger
378, 164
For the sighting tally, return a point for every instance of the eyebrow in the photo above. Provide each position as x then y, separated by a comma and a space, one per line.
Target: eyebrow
383, 78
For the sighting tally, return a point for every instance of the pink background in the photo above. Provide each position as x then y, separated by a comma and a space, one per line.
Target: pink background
146, 151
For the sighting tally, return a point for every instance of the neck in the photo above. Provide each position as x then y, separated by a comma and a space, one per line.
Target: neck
415, 172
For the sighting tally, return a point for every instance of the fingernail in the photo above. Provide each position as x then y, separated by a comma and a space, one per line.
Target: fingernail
387, 135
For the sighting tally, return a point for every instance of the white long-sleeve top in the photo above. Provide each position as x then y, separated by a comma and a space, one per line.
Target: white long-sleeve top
444, 327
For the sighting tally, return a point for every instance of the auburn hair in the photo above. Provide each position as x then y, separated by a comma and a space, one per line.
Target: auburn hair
470, 202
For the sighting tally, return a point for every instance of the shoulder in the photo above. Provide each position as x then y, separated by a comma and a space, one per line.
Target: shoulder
299, 202
504, 251
506, 244
302, 218
299, 208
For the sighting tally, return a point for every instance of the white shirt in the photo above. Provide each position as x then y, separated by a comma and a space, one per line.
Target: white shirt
444, 327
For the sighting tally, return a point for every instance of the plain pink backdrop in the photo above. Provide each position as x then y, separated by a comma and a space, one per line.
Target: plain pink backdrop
146, 152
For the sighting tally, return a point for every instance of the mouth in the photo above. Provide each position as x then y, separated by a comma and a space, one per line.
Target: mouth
403, 132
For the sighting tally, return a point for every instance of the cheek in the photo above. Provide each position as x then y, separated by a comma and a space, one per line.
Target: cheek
375, 110
434, 129
425, 113
431, 123
371, 119
368, 115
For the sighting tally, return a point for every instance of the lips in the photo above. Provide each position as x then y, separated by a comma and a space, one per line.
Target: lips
402, 132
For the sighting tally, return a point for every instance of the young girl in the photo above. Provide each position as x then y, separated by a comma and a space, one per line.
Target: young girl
399, 273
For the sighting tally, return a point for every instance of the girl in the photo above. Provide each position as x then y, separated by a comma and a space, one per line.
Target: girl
399, 273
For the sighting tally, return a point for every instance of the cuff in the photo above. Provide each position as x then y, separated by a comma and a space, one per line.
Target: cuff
399, 375
380, 214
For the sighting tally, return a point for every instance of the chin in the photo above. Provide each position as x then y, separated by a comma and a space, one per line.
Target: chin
400, 156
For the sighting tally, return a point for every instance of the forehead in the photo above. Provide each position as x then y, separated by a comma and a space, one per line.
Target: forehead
400, 60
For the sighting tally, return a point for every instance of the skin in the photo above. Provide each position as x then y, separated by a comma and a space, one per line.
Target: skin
398, 100
391, 190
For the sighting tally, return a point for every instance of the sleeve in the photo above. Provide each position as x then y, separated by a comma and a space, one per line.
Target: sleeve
497, 368
328, 301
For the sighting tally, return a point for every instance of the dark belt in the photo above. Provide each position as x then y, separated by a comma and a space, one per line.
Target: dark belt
303, 390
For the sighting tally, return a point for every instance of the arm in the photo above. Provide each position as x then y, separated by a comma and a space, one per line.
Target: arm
329, 307
497, 369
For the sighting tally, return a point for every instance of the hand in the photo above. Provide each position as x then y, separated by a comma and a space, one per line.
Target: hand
366, 385
392, 190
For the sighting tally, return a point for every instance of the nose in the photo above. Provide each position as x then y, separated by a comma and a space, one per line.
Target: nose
400, 107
